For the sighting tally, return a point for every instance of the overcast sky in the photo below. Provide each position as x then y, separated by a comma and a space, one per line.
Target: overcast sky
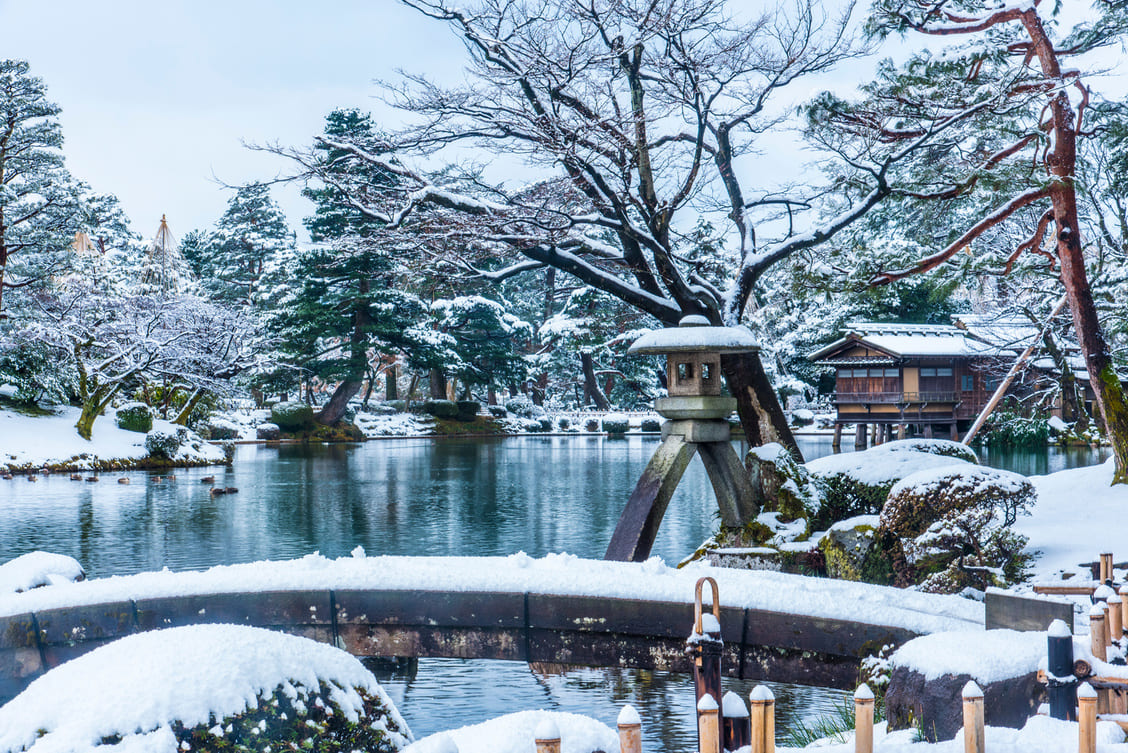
158, 97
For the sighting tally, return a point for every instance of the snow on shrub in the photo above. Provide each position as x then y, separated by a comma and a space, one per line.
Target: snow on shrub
160, 443
651, 425
532, 426
205, 687
467, 409
268, 431
546, 423
802, 417
521, 405
616, 423
857, 483
592, 424
952, 527
292, 416
514, 733
220, 428
943, 447
498, 411
564, 423
36, 569
441, 408
135, 417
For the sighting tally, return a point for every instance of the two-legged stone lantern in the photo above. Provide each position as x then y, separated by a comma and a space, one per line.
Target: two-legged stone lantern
697, 423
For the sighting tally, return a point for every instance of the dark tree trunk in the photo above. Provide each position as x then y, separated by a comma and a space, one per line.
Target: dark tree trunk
540, 386
334, 410
438, 384
760, 412
391, 390
592, 394
1072, 406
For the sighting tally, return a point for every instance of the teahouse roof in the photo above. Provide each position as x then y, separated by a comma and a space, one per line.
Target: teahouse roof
910, 340
695, 338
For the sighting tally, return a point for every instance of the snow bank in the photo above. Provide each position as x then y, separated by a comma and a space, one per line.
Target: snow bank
985, 655
879, 465
394, 425
32, 442
137, 686
514, 733
36, 569
519, 573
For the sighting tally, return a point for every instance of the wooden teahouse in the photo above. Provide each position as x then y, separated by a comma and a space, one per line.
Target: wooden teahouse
901, 379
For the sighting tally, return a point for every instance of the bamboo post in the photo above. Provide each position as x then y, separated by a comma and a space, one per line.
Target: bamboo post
1115, 619
1062, 685
1087, 718
708, 725
763, 719
1123, 607
863, 719
630, 730
973, 718
547, 736
705, 646
1097, 631
1106, 568
737, 730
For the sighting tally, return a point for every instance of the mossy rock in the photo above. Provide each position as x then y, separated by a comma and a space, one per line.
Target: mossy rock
135, 417
921, 499
218, 428
786, 485
292, 416
854, 549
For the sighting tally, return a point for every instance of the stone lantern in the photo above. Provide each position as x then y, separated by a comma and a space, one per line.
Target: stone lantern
696, 414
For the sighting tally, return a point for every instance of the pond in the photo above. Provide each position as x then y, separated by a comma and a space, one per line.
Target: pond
416, 497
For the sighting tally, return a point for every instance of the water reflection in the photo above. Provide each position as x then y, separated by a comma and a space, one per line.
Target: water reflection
447, 693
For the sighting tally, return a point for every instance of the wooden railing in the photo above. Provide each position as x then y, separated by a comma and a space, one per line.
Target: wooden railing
896, 398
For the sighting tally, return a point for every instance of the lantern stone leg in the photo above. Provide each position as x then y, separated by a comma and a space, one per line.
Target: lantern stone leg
735, 495
638, 525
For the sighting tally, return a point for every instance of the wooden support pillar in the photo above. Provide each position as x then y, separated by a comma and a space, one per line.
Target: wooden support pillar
836, 443
708, 726
863, 719
973, 718
902, 431
860, 436
954, 434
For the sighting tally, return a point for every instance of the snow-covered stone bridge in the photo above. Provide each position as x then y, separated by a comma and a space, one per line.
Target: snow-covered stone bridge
557, 609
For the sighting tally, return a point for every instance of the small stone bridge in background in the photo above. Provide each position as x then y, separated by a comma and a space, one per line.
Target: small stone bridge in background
529, 627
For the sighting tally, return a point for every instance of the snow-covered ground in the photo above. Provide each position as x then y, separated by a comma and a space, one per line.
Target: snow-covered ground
32, 442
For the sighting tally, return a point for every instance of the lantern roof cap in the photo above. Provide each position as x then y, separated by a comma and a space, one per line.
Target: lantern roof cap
694, 335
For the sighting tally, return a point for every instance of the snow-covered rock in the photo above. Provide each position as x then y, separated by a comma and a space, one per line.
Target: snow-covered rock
36, 569
224, 684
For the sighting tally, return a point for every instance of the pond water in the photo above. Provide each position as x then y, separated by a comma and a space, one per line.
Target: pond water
417, 497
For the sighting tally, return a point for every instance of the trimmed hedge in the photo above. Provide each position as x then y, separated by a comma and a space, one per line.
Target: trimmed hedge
651, 425
292, 416
468, 409
498, 411
616, 424
441, 408
592, 424
135, 417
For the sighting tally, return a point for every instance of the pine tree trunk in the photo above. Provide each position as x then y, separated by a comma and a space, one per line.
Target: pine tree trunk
592, 394
335, 409
391, 389
756, 403
438, 384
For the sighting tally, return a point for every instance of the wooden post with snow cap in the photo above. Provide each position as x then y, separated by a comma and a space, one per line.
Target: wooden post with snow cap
547, 736
1062, 684
1097, 631
1123, 594
630, 730
1087, 719
763, 719
863, 719
708, 725
973, 718
1115, 619
1106, 568
736, 722
705, 646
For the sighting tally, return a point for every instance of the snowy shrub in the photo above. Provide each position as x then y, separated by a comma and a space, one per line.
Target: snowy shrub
1009, 429
614, 423
219, 428
802, 417
943, 447
521, 405
951, 528
498, 411
206, 688
384, 409
292, 416
36, 569
163, 444
397, 406
468, 409
651, 425
546, 423
592, 424
857, 483
228, 448
564, 423
441, 408
135, 417
531, 425
268, 432
787, 487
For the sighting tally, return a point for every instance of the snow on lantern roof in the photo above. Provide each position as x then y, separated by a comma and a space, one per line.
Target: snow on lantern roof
693, 334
